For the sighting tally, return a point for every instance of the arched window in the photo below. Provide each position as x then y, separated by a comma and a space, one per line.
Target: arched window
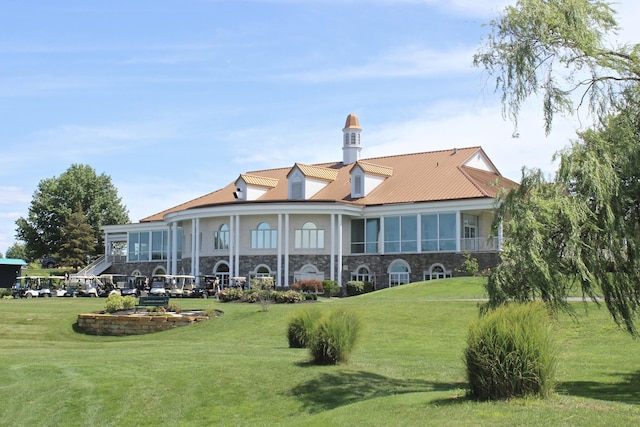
362, 274
158, 271
436, 271
264, 237
308, 272
221, 271
309, 237
399, 273
221, 237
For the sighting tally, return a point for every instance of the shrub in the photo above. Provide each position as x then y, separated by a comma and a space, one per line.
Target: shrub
311, 285
128, 302
355, 287
510, 353
310, 297
114, 303
469, 265
301, 326
334, 337
263, 287
331, 289
230, 294
289, 297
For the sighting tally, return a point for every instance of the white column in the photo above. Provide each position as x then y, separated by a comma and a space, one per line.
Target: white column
332, 262
193, 244
458, 235
174, 248
381, 240
232, 244
196, 271
286, 250
237, 246
339, 249
279, 282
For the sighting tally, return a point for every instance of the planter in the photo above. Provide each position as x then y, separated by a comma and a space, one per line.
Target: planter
131, 323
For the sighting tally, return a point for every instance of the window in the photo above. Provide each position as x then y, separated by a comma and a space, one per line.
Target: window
221, 237
470, 233
401, 233
159, 245
296, 190
398, 273
222, 273
353, 138
362, 274
439, 232
357, 186
139, 246
308, 272
263, 237
309, 237
364, 235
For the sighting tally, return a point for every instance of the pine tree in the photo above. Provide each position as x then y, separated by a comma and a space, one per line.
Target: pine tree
78, 239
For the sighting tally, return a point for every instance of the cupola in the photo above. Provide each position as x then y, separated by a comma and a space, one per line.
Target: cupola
351, 146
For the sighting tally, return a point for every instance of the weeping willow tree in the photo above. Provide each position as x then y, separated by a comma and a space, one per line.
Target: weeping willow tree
581, 228
560, 51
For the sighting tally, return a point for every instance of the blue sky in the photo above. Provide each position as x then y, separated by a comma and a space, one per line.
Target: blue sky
175, 98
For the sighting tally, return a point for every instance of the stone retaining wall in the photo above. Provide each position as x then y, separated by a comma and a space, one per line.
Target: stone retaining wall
108, 324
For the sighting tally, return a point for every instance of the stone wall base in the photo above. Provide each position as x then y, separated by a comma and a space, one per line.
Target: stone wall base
120, 325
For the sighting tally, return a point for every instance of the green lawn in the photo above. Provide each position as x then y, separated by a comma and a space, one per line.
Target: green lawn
237, 369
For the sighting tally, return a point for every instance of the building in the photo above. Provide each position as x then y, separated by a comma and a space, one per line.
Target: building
9, 270
388, 220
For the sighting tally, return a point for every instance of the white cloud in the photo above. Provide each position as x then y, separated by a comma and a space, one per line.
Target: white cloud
456, 124
12, 194
402, 62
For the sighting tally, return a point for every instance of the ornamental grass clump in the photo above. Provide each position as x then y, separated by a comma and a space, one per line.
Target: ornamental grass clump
301, 327
334, 337
510, 353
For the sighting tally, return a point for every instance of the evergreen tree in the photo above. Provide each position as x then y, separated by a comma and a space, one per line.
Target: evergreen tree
78, 240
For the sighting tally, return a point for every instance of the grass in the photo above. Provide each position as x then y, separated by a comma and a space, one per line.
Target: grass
407, 368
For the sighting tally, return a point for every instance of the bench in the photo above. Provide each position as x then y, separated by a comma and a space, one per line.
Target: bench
153, 301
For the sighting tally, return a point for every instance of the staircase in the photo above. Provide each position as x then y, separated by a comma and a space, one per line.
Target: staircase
96, 268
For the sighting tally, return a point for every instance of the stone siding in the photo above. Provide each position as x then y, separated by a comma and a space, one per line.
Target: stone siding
378, 264
119, 325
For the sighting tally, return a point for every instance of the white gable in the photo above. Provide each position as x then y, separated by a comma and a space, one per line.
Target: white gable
303, 187
479, 161
363, 183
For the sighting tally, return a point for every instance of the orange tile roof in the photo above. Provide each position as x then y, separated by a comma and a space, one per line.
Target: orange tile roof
259, 181
419, 177
375, 169
318, 172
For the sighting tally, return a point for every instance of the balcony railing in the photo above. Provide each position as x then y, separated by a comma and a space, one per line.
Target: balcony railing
479, 244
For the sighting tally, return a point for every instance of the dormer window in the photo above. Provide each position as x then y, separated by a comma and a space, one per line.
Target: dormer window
365, 177
252, 187
296, 190
305, 181
356, 181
